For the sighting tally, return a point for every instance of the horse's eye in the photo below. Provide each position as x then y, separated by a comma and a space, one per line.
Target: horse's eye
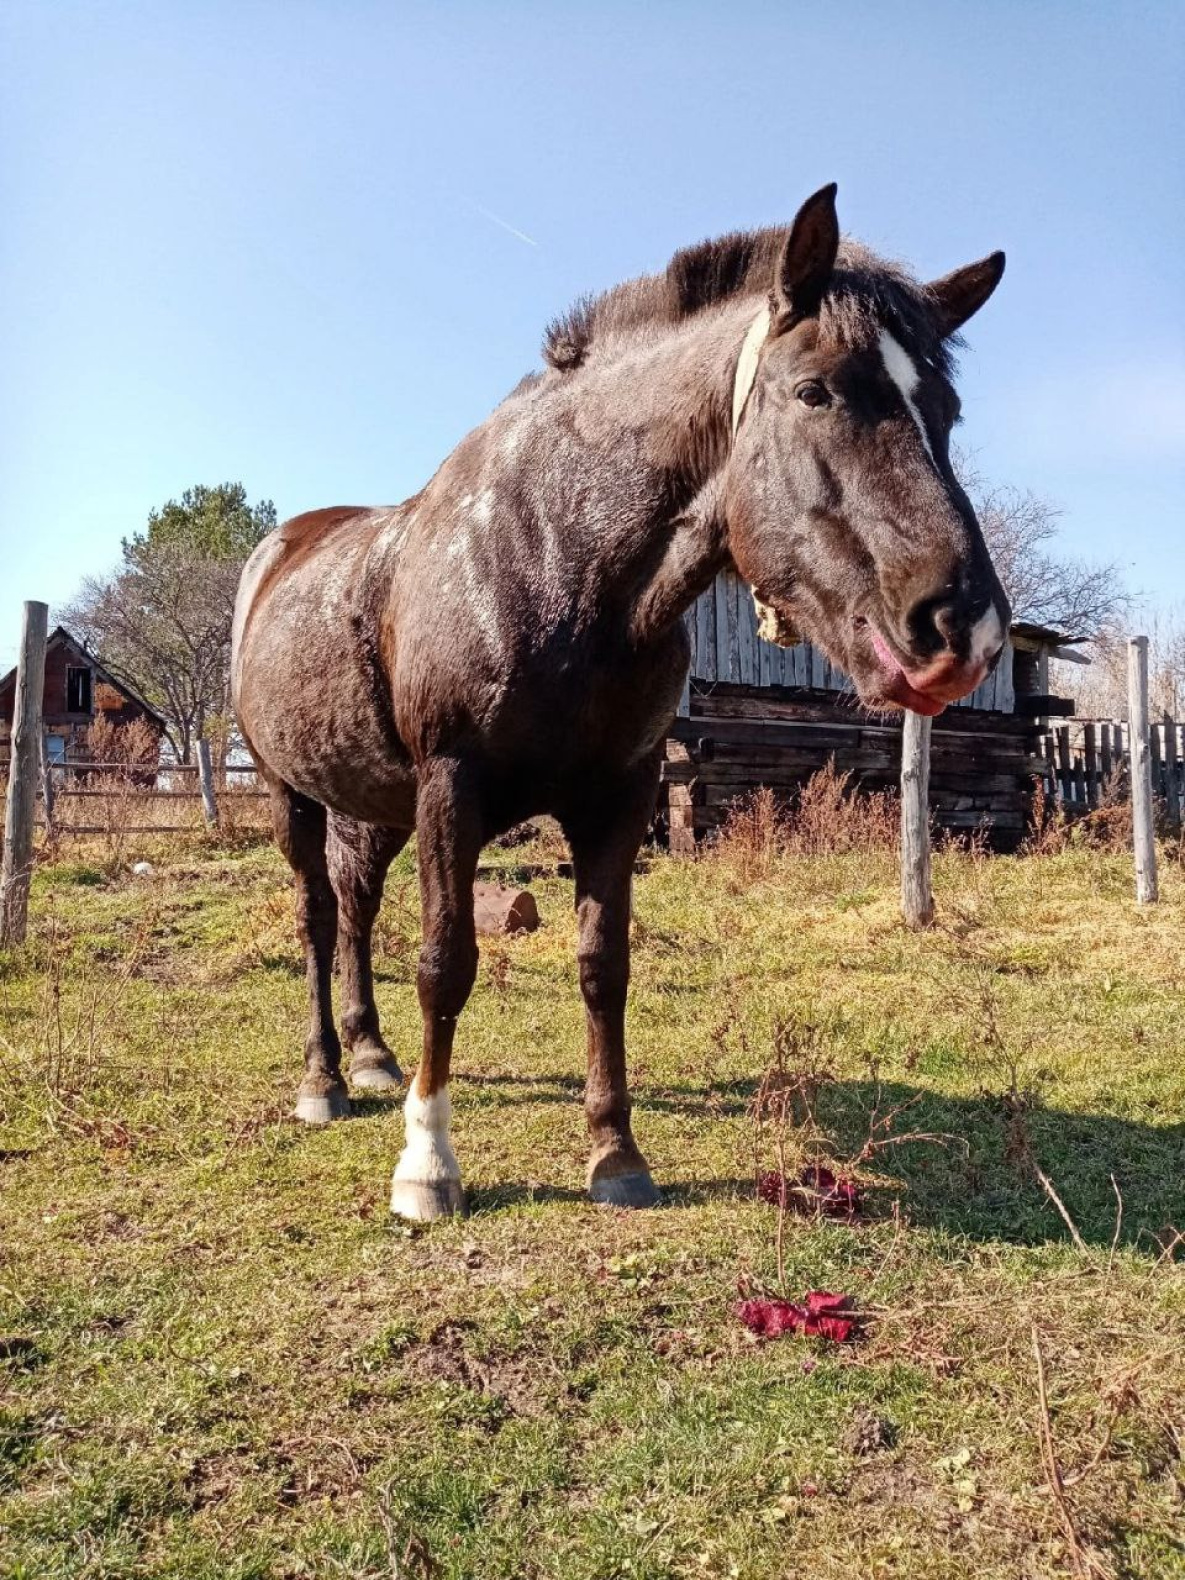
813, 393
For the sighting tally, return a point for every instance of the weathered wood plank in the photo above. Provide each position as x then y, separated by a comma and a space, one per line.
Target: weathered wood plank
705, 647
732, 604
1156, 760
720, 598
1006, 680
1172, 784
818, 667
746, 634
1065, 770
1090, 757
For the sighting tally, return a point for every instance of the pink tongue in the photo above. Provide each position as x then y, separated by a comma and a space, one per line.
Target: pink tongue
880, 648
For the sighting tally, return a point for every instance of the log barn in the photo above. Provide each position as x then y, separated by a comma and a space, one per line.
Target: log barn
78, 690
755, 714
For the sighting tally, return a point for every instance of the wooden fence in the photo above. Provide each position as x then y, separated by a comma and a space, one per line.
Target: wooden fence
1088, 764
105, 798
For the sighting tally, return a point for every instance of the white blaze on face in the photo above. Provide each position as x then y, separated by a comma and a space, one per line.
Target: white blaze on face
987, 635
900, 368
427, 1155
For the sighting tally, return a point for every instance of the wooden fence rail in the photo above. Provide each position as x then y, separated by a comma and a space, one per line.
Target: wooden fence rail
123, 798
1088, 764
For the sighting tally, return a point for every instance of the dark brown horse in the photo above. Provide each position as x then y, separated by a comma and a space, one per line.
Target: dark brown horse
509, 642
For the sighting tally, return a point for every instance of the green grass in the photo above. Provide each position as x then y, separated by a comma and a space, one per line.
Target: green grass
219, 1356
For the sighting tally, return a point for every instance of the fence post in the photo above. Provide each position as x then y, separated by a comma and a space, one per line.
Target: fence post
1065, 767
1144, 838
1091, 755
917, 898
206, 781
24, 770
1055, 789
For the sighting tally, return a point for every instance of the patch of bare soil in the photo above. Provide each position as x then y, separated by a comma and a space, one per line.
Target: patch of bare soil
513, 1381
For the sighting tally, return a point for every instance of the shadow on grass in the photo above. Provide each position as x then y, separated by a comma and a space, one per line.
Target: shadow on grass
497, 1198
976, 1177
979, 1177
728, 1098
676, 1193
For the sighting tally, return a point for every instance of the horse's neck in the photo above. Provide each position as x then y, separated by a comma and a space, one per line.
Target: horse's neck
674, 401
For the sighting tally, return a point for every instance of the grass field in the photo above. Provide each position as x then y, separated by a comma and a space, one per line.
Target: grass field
220, 1357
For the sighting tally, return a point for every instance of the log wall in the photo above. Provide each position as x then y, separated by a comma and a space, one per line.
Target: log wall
734, 738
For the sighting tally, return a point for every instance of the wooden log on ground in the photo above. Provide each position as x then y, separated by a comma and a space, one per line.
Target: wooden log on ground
917, 899
24, 772
498, 912
1143, 833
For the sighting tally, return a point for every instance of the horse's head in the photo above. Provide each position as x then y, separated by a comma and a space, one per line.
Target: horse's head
843, 511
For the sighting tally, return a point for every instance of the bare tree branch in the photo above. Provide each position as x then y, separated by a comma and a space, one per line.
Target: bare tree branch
1046, 587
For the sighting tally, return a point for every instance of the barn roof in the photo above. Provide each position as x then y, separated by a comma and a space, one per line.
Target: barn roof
1031, 638
1044, 635
60, 637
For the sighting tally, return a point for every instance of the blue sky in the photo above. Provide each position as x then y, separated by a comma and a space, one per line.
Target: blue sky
276, 243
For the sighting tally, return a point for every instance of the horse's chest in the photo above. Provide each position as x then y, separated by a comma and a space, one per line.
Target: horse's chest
590, 712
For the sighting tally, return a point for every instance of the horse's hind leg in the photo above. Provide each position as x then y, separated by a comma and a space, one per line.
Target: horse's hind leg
358, 855
427, 1181
605, 833
300, 834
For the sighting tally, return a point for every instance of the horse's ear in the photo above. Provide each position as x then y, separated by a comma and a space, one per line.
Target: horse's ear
964, 291
807, 260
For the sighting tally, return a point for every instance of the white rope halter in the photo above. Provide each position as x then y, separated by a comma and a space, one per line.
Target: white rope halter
750, 355
771, 627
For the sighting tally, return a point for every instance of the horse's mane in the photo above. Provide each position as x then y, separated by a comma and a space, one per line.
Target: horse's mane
866, 293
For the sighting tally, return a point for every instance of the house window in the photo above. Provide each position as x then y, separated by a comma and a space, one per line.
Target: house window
78, 689
55, 748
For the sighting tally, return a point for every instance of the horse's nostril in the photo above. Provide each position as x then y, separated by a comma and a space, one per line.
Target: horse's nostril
930, 626
943, 624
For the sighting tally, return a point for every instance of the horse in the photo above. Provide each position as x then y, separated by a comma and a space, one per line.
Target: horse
509, 642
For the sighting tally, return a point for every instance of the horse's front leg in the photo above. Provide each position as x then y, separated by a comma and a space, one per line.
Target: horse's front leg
605, 835
449, 835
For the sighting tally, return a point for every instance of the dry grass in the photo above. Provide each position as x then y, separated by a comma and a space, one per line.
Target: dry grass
827, 818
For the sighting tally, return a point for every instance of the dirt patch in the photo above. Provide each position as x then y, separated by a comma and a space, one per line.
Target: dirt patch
868, 1433
446, 1358
217, 1477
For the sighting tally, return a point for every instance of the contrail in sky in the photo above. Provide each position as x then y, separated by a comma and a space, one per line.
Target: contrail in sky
513, 229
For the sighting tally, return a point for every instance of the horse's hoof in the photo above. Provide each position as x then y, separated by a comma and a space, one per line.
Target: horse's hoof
625, 1190
318, 1108
383, 1076
424, 1201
